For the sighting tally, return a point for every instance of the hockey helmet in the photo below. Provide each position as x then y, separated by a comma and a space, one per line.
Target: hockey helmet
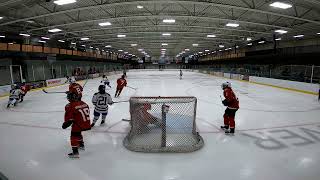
71, 96
225, 85
102, 89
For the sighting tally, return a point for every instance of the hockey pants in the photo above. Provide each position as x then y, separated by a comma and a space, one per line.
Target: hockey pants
229, 116
97, 115
76, 139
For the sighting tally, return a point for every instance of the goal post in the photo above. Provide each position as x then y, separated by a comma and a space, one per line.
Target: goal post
163, 124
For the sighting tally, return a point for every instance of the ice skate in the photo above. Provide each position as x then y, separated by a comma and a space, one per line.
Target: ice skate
224, 127
102, 123
230, 132
73, 155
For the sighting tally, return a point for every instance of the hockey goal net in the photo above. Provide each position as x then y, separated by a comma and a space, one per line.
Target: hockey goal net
163, 124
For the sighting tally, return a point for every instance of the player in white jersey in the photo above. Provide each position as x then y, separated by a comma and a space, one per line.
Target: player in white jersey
101, 100
14, 96
70, 80
105, 81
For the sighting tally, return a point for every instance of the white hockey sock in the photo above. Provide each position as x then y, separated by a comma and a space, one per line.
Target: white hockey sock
104, 117
95, 119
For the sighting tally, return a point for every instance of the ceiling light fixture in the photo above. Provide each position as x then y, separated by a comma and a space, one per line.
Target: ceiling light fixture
299, 36
140, 7
55, 30
121, 35
207, 50
1, 18
278, 39
25, 35
2, 36
221, 46
62, 41
166, 34
84, 39
164, 44
64, 2
133, 45
281, 5
261, 42
169, 20
46, 38
250, 44
195, 45
232, 25
280, 31
105, 24
40, 41
73, 43
249, 39
211, 36
108, 46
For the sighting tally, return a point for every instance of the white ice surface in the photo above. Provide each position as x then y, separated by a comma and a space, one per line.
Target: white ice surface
34, 147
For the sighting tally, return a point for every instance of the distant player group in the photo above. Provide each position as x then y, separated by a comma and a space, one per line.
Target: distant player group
77, 112
17, 94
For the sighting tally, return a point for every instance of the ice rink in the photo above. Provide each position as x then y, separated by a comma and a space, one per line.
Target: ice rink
277, 135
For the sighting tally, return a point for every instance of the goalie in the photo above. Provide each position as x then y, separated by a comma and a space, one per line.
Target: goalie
142, 118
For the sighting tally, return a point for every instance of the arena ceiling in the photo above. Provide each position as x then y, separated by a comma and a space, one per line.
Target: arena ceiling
142, 22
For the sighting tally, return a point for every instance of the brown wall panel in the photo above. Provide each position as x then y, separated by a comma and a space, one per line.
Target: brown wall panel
37, 49
26, 48
14, 47
63, 51
69, 52
3, 46
47, 50
55, 50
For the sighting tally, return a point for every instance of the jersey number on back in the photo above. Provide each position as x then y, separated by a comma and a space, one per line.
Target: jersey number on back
102, 101
85, 114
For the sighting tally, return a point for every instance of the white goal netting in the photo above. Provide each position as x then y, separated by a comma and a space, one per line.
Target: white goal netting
163, 124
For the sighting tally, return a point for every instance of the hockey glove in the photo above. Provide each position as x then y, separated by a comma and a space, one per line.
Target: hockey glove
225, 102
66, 124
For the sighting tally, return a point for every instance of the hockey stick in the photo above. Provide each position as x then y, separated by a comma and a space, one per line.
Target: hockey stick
119, 102
132, 88
52, 92
126, 120
86, 81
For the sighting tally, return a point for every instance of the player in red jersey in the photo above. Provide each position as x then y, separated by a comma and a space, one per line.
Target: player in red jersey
77, 115
121, 83
24, 89
232, 103
75, 88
